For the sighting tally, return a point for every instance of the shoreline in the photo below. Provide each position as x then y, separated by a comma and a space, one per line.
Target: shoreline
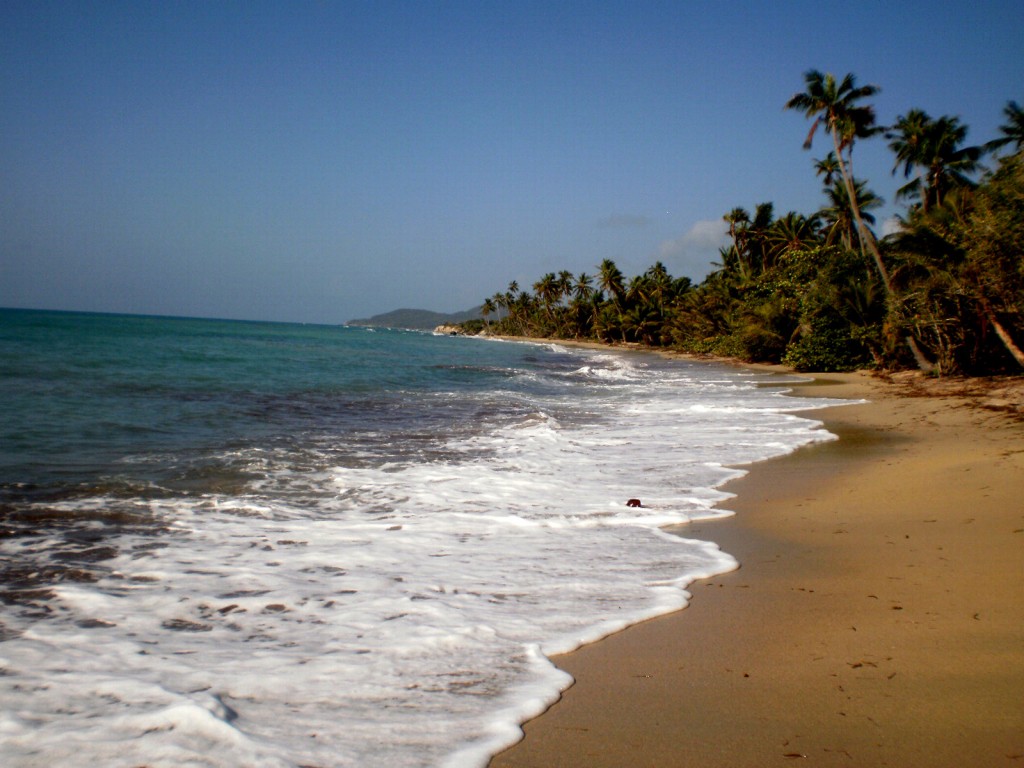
877, 617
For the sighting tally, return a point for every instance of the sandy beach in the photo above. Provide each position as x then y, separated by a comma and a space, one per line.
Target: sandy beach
877, 618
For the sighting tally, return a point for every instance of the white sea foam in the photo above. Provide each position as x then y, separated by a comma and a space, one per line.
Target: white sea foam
397, 615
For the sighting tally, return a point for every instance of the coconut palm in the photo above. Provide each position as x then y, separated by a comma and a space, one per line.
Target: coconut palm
565, 284
650, 288
513, 301
737, 219
994, 252
581, 310
611, 280
906, 138
583, 287
1012, 129
498, 300
756, 237
833, 104
837, 215
486, 310
933, 147
828, 167
547, 289
641, 323
794, 231
660, 279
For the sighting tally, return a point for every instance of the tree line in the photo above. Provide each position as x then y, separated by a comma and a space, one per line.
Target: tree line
821, 291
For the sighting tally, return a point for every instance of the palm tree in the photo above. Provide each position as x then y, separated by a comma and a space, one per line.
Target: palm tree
737, 219
794, 231
583, 287
548, 291
680, 287
1012, 129
641, 323
512, 300
611, 280
933, 147
581, 310
501, 303
756, 236
639, 291
906, 138
565, 283
994, 248
837, 216
487, 310
833, 104
661, 280
828, 167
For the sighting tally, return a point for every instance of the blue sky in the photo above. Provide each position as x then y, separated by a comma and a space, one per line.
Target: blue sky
321, 161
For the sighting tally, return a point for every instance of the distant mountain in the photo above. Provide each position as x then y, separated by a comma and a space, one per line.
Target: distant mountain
416, 319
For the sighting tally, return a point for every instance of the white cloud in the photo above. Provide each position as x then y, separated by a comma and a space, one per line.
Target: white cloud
891, 226
693, 253
702, 237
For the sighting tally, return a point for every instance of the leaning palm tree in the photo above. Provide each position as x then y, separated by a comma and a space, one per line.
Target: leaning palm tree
834, 105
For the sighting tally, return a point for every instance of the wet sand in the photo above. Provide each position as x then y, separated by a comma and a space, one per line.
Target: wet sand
877, 618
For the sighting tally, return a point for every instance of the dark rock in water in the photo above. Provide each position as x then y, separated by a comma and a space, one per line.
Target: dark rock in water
184, 625
634, 503
224, 711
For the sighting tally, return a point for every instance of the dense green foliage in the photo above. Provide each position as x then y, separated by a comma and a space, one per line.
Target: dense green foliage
818, 291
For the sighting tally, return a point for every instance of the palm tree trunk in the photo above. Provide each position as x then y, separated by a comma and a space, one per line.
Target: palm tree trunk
862, 230
866, 238
923, 363
1004, 336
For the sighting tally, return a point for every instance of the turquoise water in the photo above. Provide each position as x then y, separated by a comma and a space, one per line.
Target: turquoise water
228, 543
83, 392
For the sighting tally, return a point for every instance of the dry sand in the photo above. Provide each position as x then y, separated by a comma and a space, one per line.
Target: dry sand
877, 618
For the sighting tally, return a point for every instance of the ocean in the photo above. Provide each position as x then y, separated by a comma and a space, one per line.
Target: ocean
230, 543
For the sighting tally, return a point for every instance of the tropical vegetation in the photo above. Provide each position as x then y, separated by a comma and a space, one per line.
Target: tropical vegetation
821, 290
